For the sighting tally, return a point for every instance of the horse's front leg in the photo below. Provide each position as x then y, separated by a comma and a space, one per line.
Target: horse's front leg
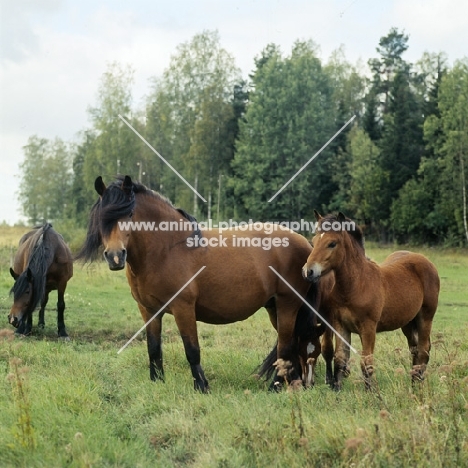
288, 368
154, 343
61, 330
45, 299
341, 358
184, 315
328, 353
367, 335
308, 355
25, 328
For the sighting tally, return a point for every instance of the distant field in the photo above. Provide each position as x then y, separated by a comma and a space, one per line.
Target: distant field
80, 404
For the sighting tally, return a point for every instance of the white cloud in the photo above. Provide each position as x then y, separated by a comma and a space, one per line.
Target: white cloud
55, 52
435, 25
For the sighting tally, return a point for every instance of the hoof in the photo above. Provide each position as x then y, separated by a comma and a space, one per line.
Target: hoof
336, 387
200, 384
201, 388
64, 338
41, 325
276, 386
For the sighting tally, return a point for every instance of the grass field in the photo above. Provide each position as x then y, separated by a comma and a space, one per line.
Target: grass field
80, 404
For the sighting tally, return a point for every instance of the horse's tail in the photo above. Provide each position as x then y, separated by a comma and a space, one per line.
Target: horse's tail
306, 329
40, 259
266, 368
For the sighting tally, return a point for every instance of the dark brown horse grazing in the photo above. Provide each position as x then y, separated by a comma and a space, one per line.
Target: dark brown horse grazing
42, 264
367, 298
235, 283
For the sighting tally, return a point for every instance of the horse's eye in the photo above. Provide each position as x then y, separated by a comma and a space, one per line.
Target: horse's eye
332, 245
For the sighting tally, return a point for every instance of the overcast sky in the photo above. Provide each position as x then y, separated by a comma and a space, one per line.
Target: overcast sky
54, 52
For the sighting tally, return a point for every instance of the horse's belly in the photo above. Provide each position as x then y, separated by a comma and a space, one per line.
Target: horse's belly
398, 316
222, 316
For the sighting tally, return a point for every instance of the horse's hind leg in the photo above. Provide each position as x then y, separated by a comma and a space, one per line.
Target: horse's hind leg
411, 332
424, 324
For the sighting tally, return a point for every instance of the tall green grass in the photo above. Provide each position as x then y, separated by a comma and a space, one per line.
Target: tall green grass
84, 405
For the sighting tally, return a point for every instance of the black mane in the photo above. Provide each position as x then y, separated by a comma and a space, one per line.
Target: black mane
115, 204
40, 258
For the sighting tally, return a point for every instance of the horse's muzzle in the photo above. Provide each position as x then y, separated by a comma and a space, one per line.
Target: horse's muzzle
311, 274
13, 320
116, 259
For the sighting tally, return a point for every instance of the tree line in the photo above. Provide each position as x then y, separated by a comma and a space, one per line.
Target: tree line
399, 169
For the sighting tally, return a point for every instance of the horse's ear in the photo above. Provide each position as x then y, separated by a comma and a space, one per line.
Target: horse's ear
341, 217
29, 275
127, 185
99, 186
13, 274
317, 215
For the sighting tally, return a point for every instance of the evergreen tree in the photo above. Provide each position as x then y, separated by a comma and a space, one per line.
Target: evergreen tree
189, 116
290, 115
394, 117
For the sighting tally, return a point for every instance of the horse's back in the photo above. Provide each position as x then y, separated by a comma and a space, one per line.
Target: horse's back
414, 263
62, 255
412, 283
25, 246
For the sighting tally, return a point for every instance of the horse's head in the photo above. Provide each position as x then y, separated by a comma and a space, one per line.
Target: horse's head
22, 297
328, 247
116, 207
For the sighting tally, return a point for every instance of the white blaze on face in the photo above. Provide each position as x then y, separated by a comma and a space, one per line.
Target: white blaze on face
116, 259
321, 235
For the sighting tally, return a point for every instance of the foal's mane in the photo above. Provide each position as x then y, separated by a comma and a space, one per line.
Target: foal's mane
39, 258
116, 204
356, 234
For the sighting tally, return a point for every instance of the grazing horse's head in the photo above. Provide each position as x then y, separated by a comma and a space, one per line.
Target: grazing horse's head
23, 297
116, 203
329, 245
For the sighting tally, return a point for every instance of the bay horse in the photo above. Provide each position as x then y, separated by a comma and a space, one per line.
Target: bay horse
235, 283
43, 263
367, 298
